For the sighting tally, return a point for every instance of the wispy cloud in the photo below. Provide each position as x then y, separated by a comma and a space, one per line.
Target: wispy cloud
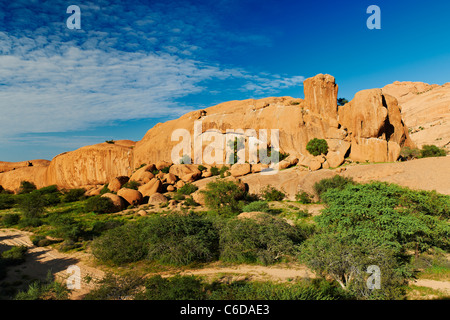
131, 60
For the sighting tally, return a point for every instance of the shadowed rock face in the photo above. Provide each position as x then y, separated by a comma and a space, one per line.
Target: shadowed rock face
369, 127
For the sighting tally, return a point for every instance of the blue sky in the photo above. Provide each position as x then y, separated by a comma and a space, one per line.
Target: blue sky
135, 63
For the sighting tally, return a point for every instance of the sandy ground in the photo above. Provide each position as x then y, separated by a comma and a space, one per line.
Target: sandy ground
42, 259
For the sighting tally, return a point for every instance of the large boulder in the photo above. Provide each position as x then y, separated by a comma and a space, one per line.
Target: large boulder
143, 174
151, 187
373, 119
133, 197
117, 201
157, 198
91, 165
186, 172
117, 183
240, 169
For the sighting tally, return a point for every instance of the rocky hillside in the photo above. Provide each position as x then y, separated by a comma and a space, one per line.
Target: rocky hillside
425, 110
368, 128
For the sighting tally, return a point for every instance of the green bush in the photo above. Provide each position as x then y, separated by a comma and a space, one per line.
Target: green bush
32, 205
201, 167
26, 187
187, 189
265, 240
99, 204
74, 195
407, 153
165, 169
214, 171
45, 290
179, 197
335, 256
181, 240
7, 201
131, 184
432, 151
337, 182
256, 206
270, 193
190, 202
10, 219
173, 239
105, 189
317, 146
15, 255
66, 227
303, 197
121, 245
49, 189
224, 197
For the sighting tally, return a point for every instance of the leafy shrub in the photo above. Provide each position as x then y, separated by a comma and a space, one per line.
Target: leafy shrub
10, 219
407, 153
40, 241
45, 290
105, 189
179, 197
377, 211
335, 256
432, 151
26, 187
66, 227
49, 189
121, 245
317, 146
187, 189
131, 184
99, 204
190, 202
165, 169
337, 182
256, 206
223, 197
270, 193
32, 204
201, 167
214, 171
74, 195
303, 197
265, 240
7, 201
15, 255
180, 240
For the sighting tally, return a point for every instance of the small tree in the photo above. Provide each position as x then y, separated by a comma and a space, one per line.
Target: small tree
223, 197
26, 187
317, 146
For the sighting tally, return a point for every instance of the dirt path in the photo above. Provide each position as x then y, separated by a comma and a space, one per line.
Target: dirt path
252, 272
41, 260
434, 284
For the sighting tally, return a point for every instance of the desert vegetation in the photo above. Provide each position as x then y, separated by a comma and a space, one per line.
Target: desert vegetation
404, 232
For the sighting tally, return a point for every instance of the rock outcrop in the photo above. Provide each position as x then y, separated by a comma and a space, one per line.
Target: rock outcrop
368, 128
425, 110
91, 165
